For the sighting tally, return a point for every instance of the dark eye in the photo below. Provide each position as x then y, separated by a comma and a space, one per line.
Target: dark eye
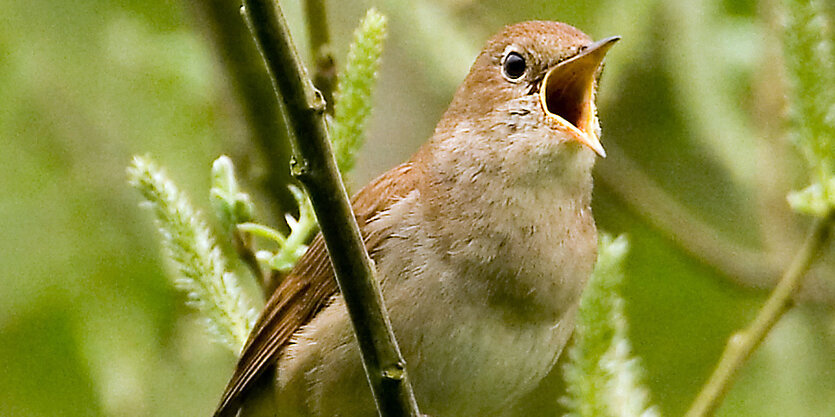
514, 66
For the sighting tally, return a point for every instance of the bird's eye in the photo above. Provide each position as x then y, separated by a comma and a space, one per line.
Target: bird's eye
514, 66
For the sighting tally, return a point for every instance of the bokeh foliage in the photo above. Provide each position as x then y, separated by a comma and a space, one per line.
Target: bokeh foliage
698, 169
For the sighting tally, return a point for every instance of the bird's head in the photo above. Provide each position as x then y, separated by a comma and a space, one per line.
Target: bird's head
534, 75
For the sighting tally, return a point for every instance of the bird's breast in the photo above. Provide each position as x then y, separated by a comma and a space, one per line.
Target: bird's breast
481, 294
481, 312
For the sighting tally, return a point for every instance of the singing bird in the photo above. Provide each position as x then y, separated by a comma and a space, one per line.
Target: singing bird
483, 242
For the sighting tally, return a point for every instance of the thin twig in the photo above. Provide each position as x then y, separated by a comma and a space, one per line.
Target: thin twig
324, 74
743, 343
243, 246
244, 72
315, 167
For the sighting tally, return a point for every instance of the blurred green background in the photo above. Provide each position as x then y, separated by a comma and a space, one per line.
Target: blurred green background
692, 103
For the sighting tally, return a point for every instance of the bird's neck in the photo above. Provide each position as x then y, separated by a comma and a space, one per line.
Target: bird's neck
499, 163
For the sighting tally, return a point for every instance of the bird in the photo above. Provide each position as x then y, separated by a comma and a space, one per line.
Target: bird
483, 242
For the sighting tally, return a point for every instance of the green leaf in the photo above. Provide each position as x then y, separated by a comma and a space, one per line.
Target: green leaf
816, 200
353, 97
292, 246
603, 377
231, 205
810, 67
199, 264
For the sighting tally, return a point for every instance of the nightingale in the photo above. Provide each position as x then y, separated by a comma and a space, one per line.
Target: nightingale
483, 242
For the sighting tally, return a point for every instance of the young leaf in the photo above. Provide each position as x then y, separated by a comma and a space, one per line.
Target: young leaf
602, 376
354, 89
292, 246
200, 266
810, 67
231, 205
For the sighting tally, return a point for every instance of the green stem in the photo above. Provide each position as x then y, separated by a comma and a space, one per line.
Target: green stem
324, 76
743, 343
302, 233
314, 166
263, 231
243, 246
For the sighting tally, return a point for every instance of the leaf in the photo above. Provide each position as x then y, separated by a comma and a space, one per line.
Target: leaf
200, 267
810, 67
603, 377
353, 96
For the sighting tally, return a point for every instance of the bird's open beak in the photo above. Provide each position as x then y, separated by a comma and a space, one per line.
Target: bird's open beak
567, 93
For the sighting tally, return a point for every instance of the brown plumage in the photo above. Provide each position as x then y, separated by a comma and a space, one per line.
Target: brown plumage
482, 242
308, 288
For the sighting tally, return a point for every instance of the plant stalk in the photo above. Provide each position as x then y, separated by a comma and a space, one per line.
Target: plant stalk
742, 344
242, 68
315, 168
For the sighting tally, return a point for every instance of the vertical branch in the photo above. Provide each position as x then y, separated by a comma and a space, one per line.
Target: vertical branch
324, 74
315, 167
245, 73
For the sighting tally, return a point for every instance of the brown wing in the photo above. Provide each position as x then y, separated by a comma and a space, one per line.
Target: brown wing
308, 287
